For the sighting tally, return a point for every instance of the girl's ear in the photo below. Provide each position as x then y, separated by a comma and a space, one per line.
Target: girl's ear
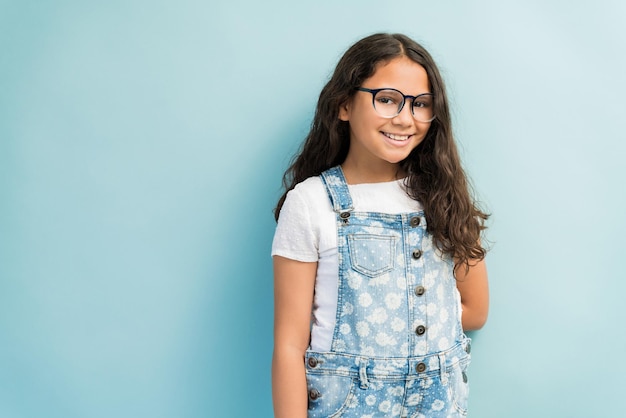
344, 111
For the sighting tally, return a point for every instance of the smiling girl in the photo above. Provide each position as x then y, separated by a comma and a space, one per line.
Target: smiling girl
378, 265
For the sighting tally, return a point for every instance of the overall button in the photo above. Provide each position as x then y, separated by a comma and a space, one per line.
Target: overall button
415, 221
314, 394
312, 362
468, 347
420, 367
420, 330
419, 290
417, 254
344, 215
464, 377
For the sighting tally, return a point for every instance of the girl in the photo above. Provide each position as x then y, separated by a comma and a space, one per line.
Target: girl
378, 265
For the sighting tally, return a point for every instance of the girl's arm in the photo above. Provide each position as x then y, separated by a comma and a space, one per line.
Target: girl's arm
474, 290
294, 283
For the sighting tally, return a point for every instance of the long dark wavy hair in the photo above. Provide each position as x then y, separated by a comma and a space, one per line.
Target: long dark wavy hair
435, 176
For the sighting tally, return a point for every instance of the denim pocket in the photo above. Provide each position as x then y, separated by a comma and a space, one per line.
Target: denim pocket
329, 394
459, 387
372, 255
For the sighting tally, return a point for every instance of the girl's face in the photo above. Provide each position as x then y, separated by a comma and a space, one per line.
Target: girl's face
380, 143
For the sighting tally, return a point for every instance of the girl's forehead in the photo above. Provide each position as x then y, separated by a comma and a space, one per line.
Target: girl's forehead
400, 73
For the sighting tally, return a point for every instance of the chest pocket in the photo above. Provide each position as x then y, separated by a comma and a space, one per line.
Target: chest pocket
372, 255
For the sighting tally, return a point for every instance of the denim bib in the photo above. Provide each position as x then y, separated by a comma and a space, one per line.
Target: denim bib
398, 347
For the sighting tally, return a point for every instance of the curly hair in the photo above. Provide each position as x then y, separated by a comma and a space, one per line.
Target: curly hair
435, 176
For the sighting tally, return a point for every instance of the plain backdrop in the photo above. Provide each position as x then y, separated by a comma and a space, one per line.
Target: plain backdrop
142, 145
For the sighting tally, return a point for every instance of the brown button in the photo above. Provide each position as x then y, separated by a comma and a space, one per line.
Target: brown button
314, 394
420, 290
344, 215
420, 367
415, 221
417, 254
420, 330
312, 362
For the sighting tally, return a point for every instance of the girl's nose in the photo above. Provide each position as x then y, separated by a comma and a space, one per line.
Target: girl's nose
405, 117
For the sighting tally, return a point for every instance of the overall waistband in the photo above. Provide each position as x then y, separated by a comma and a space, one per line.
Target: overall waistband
362, 367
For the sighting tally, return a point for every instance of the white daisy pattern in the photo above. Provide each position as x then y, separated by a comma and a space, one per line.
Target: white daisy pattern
395, 391
438, 405
393, 300
384, 339
365, 300
362, 329
355, 281
397, 324
348, 309
414, 399
368, 351
379, 316
384, 406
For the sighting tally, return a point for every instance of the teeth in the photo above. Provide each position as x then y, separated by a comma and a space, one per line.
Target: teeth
397, 137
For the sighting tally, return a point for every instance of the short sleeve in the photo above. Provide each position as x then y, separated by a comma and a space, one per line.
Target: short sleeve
295, 237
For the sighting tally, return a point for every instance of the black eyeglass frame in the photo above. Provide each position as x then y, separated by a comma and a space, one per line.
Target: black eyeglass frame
374, 92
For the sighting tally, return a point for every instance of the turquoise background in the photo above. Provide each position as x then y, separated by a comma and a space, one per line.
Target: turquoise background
141, 149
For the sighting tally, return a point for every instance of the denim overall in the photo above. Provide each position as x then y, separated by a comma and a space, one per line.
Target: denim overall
398, 348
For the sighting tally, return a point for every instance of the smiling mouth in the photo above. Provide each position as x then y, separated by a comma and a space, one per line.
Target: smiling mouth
397, 137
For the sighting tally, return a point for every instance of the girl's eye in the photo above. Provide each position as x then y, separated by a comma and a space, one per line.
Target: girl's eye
386, 100
422, 103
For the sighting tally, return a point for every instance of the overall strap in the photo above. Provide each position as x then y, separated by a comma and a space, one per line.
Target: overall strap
337, 189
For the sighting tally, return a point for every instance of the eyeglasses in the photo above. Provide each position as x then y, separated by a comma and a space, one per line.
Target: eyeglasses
388, 103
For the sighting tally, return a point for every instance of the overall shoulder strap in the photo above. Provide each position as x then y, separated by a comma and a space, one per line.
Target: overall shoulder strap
337, 189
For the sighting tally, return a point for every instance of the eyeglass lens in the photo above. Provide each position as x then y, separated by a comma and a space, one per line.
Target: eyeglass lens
389, 103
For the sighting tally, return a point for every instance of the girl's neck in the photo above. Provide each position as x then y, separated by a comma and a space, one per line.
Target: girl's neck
357, 174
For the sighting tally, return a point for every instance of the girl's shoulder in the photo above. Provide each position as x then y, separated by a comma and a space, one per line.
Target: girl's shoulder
307, 198
311, 189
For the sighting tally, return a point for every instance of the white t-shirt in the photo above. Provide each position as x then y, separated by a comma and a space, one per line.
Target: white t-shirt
307, 231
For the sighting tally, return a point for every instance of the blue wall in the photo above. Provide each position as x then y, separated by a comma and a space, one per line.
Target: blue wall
141, 149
